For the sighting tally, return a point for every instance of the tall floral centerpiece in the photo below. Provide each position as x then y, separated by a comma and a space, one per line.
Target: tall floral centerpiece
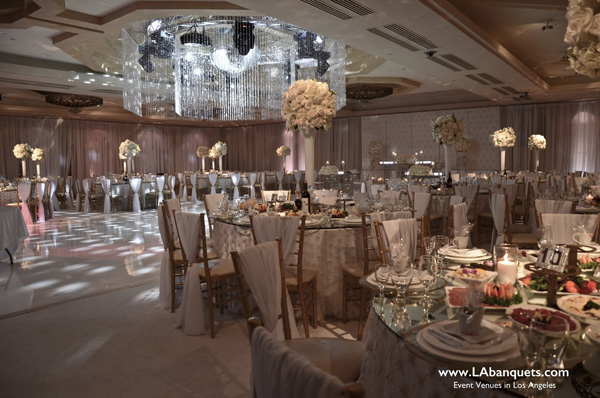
128, 150
212, 155
462, 146
220, 149
283, 151
503, 139
202, 152
446, 131
536, 143
37, 156
23, 152
583, 36
308, 106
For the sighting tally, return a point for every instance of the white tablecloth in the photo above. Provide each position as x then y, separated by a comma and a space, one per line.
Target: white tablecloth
324, 250
13, 230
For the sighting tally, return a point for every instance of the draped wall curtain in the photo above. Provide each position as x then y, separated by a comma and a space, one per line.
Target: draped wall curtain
83, 148
572, 132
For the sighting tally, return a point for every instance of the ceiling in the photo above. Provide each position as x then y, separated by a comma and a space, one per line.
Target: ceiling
436, 54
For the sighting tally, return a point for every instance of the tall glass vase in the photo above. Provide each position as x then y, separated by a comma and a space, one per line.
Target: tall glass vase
220, 163
309, 155
124, 167
203, 168
502, 160
536, 159
129, 166
38, 169
446, 159
24, 168
284, 158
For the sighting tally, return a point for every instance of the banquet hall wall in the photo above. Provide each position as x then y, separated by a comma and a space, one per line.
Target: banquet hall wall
82, 148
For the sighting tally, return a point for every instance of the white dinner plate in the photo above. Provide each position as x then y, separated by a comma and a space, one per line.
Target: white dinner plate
570, 304
463, 357
510, 309
350, 221
414, 286
466, 260
463, 253
504, 341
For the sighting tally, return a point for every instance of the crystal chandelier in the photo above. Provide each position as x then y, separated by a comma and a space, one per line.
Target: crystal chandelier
223, 68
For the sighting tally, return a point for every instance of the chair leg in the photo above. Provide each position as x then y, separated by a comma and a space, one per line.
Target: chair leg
303, 310
361, 314
211, 314
172, 291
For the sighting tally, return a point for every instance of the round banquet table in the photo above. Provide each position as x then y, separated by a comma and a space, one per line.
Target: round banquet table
326, 248
13, 230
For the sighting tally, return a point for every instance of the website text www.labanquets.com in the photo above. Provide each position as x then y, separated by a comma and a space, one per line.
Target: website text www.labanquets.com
536, 379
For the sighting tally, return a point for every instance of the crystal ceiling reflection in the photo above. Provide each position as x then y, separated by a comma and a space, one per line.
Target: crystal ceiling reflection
223, 68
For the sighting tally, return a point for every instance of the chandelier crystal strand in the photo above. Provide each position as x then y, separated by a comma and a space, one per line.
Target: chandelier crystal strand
217, 81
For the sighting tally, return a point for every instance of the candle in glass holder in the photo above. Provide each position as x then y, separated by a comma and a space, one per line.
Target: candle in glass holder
327, 163
507, 270
589, 198
343, 163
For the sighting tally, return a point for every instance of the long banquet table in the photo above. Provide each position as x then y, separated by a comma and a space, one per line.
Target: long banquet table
326, 248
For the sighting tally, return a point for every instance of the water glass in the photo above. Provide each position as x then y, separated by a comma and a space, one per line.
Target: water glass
427, 274
402, 275
382, 274
544, 236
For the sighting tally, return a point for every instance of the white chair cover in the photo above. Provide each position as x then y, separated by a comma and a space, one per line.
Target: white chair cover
553, 206
498, 208
193, 182
417, 188
360, 198
402, 228
252, 182
235, 179
375, 188
135, 183
39, 193
511, 192
459, 217
24, 190
455, 200
78, 196
172, 205
105, 182
421, 203
467, 191
86, 189
212, 202
212, 178
278, 371
191, 313
164, 287
260, 267
263, 181
279, 175
52, 199
172, 186
393, 175
326, 201
182, 187
367, 187
563, 225
390, 197
298, 177
69, 192
267, 229
579, 181
385, 216
160, 184
366, 175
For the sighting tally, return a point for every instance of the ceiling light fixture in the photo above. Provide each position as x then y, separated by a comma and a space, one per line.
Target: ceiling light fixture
367, 92
73, 100
237, 69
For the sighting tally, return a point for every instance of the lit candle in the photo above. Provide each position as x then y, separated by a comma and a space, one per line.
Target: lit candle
394, 153
327, 163
507, 270
421, 152
589, 198
343, 163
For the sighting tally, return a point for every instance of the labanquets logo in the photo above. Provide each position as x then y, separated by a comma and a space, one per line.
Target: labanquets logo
518, 377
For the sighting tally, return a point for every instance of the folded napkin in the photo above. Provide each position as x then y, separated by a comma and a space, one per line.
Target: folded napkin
465, 252
453, 329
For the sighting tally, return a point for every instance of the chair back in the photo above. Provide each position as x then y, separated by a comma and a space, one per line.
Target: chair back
390, 232
457, 218
278, 371
564, 225
267, 229
498, 207
544, 206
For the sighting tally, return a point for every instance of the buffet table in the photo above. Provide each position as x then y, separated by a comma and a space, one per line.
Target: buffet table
326, 248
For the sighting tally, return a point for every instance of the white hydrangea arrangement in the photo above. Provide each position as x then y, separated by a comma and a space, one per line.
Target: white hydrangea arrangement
38, 154
128, 149
212, 153
447, 129
463, 144
406, 159
420, 170
328, 170
220, 148
308, 104
283, 151
583, 36
504, 138
202, 151
22, 151
536, 141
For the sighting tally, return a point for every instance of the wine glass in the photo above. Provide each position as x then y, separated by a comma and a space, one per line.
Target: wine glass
402, 275
427, 275
429, 244
382, 274
550, 336
544, 236
440, 241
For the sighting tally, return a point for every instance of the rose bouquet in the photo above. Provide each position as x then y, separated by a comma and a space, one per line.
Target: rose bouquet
328, 170
504, 138
22, 151
463, 144
38, 154
202, 151
583, 36
128, 149
536, 141
283, 151
220, 148
447, 129
420, 170
308, 104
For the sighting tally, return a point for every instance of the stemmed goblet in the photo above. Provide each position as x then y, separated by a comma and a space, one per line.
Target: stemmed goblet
427, 274
382, 274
